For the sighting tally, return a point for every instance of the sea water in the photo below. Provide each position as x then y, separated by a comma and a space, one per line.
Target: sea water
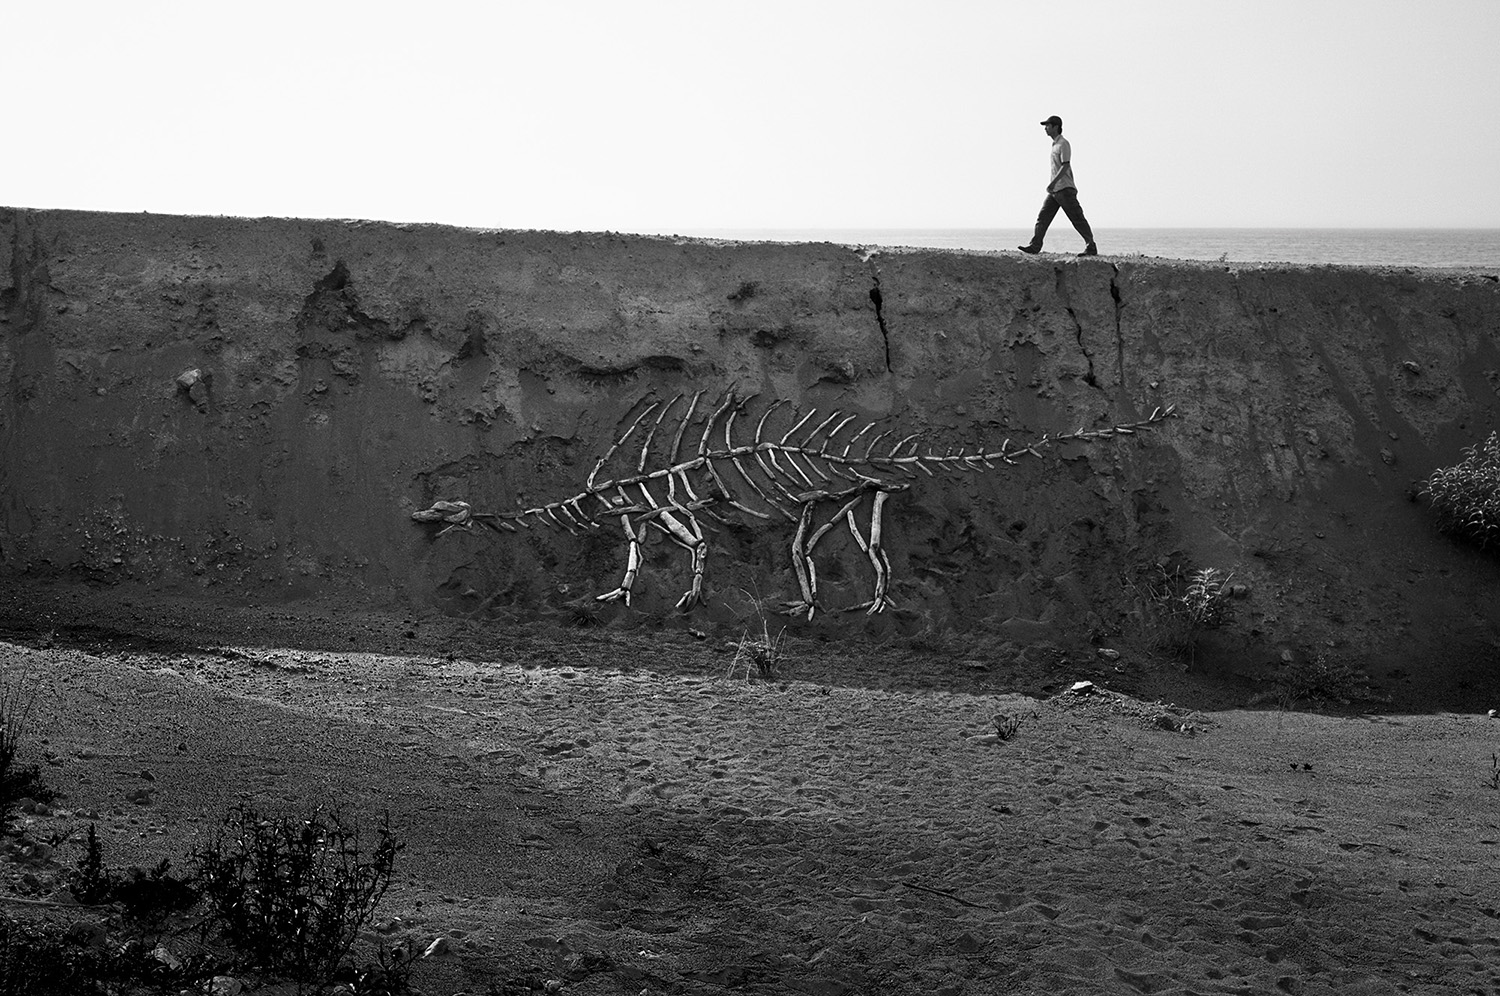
1477, 248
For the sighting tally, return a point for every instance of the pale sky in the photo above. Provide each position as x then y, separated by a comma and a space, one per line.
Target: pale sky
663, 116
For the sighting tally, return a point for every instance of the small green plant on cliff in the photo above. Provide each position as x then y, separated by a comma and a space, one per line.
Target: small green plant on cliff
1206, 600
1466, 497
1173, 608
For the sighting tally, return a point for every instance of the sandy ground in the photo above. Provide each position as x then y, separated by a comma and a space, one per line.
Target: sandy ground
616, 812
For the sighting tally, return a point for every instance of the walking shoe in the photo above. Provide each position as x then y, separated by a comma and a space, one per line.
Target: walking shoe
1030, 250
1090, 250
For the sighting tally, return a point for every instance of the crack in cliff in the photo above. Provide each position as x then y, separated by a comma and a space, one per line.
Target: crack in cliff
1067, 302
30, 279
878, 301
10, 294
1114, 292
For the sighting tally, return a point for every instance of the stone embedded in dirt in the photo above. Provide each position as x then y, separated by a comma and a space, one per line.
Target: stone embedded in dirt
141, 796
194, 383
1108, 654
439, 946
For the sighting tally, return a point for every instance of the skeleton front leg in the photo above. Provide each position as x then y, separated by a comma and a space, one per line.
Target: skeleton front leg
632, 564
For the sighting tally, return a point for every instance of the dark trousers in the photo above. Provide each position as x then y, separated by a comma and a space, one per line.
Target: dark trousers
1067, 199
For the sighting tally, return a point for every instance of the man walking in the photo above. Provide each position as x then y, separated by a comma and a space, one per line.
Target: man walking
1062, 192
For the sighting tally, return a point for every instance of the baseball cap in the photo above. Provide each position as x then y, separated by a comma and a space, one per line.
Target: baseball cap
1054, 119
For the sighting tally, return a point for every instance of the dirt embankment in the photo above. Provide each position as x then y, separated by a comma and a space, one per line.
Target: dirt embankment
251, 409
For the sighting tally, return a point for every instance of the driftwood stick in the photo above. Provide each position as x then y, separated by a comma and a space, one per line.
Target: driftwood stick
948, 895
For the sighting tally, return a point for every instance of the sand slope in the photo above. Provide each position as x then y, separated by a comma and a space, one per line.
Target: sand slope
618, 808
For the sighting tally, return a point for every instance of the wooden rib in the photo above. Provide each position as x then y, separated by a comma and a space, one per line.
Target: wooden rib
855, 438
551, 516
896, 450
870, 449
640, 465
708, 426
735, 462
800, 423
687, 418
713, 473
772, 477
618, 443
729, 424
789, 454
843, 420
760, 427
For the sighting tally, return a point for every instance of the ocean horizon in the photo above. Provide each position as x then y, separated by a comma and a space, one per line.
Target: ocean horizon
1469, 248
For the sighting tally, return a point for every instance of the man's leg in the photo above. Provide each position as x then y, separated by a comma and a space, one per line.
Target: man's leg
1068, 197
1043, 219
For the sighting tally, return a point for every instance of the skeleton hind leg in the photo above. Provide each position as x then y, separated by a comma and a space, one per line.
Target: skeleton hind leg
880, 599
690, 538
632, 564
802, 559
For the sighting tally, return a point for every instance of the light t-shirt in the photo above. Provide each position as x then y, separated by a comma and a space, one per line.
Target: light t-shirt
1062, 159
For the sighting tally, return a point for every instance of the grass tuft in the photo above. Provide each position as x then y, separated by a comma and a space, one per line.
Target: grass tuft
762, 655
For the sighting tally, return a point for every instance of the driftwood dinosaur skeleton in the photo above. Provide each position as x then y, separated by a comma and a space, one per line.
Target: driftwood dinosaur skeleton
674, 486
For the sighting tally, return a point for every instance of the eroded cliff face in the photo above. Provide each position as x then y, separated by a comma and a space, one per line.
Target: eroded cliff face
351, 373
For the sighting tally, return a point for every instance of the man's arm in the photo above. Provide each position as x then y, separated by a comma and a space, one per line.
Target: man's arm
1064, 160
1061, 169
